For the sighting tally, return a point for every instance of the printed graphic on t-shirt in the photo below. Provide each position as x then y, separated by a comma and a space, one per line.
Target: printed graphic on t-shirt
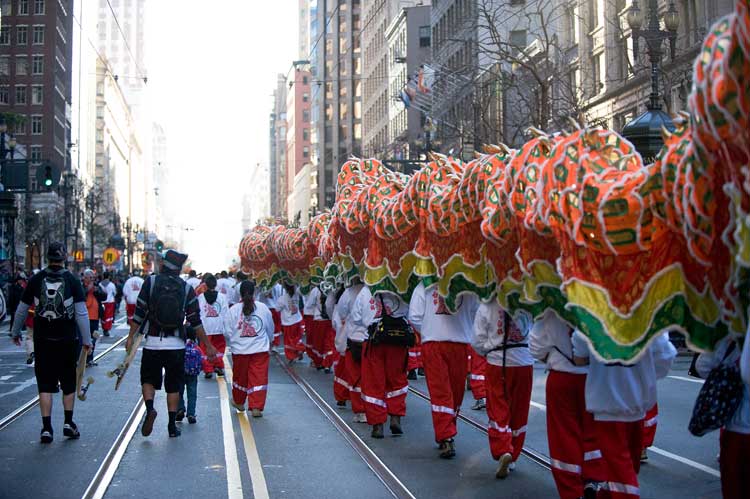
212, 310
439, 302
515, 335
391, 305
249, 326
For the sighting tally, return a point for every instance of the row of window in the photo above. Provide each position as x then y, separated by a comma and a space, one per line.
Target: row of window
22, 127
22, 7
22, 65
22, 34
22, 97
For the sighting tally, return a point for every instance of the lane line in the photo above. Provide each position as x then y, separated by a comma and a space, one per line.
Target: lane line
257, 478
5, 378
683, 378
234, 479
665, 453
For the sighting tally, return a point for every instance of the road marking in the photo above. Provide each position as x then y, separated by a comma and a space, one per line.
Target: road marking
683, 378
257, 478
683, 460
5, 378
234, 479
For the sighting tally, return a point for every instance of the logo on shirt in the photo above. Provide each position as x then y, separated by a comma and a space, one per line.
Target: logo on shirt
439, 302
211, 310
515, 335
249, 326
391, 304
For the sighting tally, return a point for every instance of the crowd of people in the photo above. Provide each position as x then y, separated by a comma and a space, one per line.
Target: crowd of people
601, 417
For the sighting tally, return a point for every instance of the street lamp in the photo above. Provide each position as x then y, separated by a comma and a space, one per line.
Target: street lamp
645, 131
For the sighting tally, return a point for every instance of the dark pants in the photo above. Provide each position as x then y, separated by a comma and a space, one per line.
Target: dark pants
191, 387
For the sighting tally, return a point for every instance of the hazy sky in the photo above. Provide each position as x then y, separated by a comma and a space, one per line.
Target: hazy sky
212, 67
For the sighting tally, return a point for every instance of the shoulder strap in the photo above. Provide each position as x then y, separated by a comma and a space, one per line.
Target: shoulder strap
729, 351
384, 311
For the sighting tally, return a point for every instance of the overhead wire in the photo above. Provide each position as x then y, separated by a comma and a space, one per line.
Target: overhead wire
125, 40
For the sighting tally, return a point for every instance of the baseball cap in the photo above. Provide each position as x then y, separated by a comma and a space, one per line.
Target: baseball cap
56, 252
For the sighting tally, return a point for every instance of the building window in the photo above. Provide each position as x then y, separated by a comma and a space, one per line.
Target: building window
305, 134
4, 94
100, 136
305, 80
35, 154
38, 35
23, 8
4, 66
22, 66
593, 12
22, 35
5, 35
37, 95
36, 124
424, 36
37, 64
305, 152
39, 7
305, 97
19, 126
305, 116
596, 73
20, 95
518, 39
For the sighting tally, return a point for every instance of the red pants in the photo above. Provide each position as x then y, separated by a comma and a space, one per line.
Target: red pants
734, 463
277, 327
649, 426
310, 334
250, 379
445, 366
220, 343
109, 316
354, 379
130, 311
508, 412
574, 455
293, 345
621, 446
415, 354
340, 380
477, 367
324, 347
384, 384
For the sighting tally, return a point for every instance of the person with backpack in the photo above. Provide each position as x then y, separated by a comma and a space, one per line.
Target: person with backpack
193, 366
291, 322
214, 309
574, 454
734, 439
165, 303
509, 372
618, 396
60, 308
110, 291
445, 336
250, 330
384, 357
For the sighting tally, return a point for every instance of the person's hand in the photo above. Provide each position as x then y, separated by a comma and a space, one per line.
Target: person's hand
17, 340
87, 348
128, 344
211, 352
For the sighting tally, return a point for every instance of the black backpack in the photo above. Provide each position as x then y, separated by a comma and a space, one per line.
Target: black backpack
166, 303
718, 399
391, 330
323, 311
55, 297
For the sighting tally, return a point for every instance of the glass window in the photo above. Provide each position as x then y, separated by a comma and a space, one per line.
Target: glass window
37, 64
35, 153
36, 124
518, 39
19, 126
4, 66
22, 35
596, 73
23, 8
38, 35
5, 35
305, 116
38, 7
20, 95
305, 134
22, 66
305, 97
305, 152
37, 95
424, 36
4, 94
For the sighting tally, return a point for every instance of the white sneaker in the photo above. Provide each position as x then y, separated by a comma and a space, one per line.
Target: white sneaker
512, 466
479, 405
360, 417
504, 465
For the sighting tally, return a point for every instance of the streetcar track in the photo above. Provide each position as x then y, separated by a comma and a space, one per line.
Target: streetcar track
27, 406
381, 470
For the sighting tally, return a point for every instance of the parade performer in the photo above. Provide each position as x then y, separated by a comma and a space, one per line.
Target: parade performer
308, 310
193, 279
384, 384
164, 345
415, 365
649, 424
60, 307
477, 369
445, 336
574, 455
214, 309
734, 440
291, 322
269, 298
341, 387
324, 333
349, 339
250, 327
503, 341
130, 290
110, 290
619, 396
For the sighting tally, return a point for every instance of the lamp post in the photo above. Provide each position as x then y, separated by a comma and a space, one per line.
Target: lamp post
645, 130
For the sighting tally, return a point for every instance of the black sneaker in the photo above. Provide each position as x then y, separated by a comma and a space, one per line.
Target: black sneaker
341, 403
377, 431
30, 358
173, 431
327, 370
219, 371
148, 423
412, 375
590, 490
70, 430
91, 364
192, 420
420, 371
447, 449
106, 333
180, 415
209, 375
46, 436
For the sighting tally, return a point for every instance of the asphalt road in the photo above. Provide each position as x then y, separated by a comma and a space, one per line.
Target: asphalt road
295, 451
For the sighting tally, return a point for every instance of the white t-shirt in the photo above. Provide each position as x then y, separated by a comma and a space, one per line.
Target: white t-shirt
223, 286
310, 301
110, 289
430, 316
249, 334
490, 329
214, 315
164, 343
131, 289
289, 308
194, 282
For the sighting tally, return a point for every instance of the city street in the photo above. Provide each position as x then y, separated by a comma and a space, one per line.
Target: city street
296, 449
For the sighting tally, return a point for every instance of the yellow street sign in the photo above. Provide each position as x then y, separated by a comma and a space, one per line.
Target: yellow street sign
78, 255
110, 256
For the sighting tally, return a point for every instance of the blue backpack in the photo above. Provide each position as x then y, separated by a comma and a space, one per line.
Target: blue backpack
193, 359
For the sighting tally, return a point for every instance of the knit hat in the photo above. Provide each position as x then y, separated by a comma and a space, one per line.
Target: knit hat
174, 260
56, 252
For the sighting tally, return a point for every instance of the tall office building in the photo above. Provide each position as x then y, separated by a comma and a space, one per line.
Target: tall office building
277, 151
338, 70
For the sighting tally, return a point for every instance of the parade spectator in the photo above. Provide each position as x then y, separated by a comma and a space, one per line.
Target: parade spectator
165, 303
94, 296
193, 363
61, 307
131, 289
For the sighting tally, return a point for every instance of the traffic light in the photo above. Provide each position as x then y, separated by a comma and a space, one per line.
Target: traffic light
159, 246
48, 176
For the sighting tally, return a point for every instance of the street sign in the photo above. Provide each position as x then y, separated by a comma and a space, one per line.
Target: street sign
151, 237
78, 255
110, 256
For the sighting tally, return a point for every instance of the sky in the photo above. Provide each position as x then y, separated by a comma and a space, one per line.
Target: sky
211, 73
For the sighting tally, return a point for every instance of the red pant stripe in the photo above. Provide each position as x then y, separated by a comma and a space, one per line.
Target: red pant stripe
341, 386
508, 410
